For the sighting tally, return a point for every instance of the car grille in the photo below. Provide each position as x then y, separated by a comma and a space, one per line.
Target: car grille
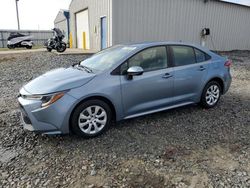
26, 119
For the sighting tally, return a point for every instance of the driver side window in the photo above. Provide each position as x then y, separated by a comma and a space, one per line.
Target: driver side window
150, 59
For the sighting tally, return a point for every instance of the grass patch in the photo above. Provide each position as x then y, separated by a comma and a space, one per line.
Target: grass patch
2, 60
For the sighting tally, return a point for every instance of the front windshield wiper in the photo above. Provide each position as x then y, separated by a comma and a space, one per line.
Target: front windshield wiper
84, 67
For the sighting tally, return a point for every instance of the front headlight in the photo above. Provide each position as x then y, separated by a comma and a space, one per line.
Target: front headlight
46, 99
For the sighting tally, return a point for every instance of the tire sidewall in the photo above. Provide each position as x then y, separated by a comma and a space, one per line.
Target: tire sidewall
75, 116
49, 49
61, 48
203, 97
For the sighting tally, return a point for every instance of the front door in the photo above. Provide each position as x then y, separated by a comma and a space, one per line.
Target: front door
103, 33
152, 90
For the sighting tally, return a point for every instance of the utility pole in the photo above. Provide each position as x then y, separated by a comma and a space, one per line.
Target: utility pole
17, 14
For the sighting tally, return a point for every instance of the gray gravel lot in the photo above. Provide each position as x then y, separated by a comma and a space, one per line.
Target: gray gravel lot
184, 147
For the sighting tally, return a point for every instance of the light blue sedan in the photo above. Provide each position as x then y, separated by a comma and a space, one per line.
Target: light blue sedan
123, 82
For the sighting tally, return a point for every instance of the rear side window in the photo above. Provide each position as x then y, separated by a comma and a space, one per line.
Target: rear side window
201, 56
183, 55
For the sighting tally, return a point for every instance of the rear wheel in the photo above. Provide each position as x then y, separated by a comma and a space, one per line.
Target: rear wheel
10, 46
211, 94
91, 118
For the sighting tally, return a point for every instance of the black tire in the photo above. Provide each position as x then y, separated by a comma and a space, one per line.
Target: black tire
61, 48
75, 119
28, 47
49, 49
204, 101
10, 47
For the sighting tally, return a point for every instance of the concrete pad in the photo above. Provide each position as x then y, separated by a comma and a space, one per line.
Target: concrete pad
6, 52
75, 51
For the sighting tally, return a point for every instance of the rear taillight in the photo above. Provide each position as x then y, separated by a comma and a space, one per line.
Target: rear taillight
228, 63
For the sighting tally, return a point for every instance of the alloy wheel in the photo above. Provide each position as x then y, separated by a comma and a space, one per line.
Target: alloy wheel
92, 120
212, 95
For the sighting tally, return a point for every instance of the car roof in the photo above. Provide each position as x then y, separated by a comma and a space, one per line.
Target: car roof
148, 44
143, 45
151, 44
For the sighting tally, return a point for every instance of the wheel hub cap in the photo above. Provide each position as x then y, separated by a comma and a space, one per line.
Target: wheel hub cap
92, 119
212, 95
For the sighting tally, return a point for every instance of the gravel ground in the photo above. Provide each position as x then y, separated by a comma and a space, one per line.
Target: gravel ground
184, 147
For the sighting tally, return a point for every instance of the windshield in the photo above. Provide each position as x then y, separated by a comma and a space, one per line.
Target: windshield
107, 58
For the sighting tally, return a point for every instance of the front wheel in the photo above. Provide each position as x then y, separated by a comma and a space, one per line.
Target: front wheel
49, 49
211, 94
91, 118
61, 48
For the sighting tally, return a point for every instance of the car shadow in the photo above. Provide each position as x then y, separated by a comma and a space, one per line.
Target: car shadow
190, 126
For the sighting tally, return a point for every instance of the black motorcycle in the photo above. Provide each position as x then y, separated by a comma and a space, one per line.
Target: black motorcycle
56, 42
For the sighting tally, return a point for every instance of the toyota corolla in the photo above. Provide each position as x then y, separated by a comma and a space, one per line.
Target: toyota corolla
123, 82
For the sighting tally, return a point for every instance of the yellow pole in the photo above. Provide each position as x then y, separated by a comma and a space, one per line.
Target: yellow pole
70, 40
84, 40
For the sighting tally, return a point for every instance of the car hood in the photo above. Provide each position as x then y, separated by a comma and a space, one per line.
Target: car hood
58, 80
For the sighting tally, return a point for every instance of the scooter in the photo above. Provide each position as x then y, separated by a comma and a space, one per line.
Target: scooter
18, 40
56, 42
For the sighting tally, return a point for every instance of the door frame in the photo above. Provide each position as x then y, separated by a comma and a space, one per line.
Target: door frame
101, 17
87, 8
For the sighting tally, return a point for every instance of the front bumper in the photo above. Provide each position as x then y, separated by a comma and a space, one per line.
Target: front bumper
50, 120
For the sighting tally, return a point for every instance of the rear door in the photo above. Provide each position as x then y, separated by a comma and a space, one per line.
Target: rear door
190, 68
152, 90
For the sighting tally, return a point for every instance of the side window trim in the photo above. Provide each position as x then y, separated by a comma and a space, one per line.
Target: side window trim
196, 61
170, 56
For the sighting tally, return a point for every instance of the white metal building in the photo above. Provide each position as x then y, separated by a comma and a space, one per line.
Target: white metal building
62, 22
97, 24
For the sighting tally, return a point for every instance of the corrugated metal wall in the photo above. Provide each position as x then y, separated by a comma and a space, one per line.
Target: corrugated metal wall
97, 9
39, 37
182, 20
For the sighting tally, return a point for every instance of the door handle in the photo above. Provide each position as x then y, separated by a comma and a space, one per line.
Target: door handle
202, 68
167, 75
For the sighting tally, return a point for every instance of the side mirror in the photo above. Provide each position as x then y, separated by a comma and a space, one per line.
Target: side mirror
134, 71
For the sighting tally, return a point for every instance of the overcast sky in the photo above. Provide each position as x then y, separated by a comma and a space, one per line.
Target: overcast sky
34, 14
244, 2
39, 14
